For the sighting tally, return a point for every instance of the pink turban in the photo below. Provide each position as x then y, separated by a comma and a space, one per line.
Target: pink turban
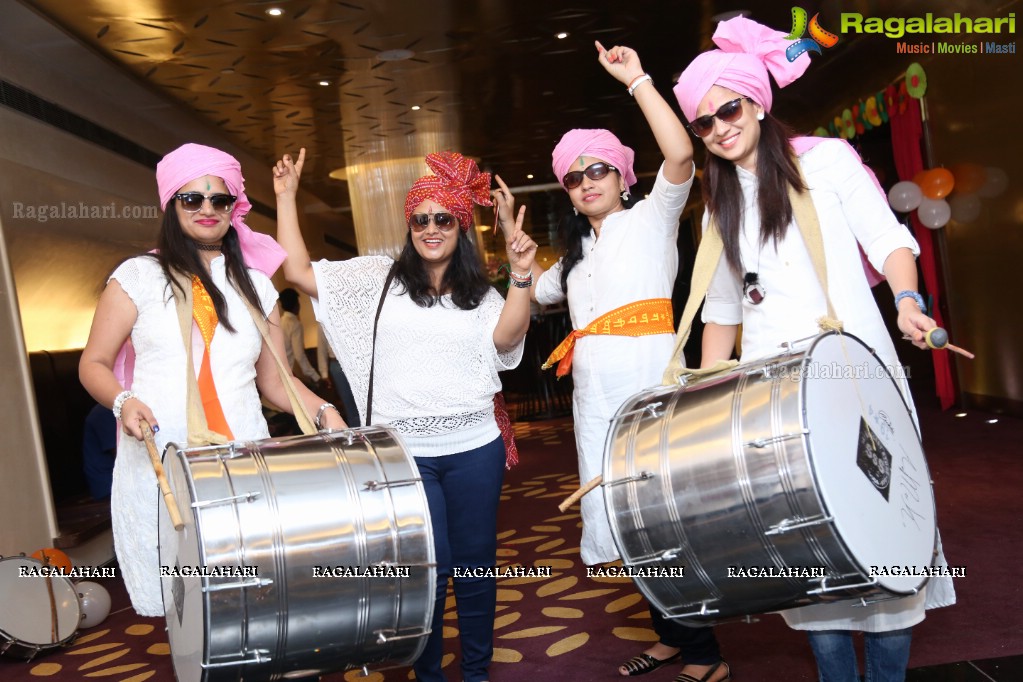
456, 185
748, 51
191, 161
600, 144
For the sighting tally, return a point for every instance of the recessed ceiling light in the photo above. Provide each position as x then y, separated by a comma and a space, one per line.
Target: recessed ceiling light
324, 83
416, 107
274, 11
529, 176
960, 414
992, 421
562, 35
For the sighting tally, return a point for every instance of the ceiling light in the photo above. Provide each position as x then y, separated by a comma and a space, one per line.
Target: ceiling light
960, 414
529, 176
324, 83
275, 11
992, 421
416, 107
562, 35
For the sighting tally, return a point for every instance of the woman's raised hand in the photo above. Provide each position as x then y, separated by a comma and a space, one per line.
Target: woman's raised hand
287, 173
521, 248
620, 61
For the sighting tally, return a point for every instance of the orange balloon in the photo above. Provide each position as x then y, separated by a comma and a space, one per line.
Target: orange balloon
969, 177
52, 556
921, 178
938, 183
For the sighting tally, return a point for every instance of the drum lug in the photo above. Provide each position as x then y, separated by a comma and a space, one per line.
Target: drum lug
667, 555
704, 611
373, 486
259, 656
878, 600
760, 443
248, 497
825, 588
385, 636
641, 476
651, 408
254, 582
786, 525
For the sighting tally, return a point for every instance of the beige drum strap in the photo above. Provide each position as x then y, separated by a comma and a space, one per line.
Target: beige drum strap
198, 431
708, 256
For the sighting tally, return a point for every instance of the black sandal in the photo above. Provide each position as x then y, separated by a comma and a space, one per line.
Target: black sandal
683, 677
645, 663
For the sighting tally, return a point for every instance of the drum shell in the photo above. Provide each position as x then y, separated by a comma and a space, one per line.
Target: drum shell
25, 614
718, 501
295, 507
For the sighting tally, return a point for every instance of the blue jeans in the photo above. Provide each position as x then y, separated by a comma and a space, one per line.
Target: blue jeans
886, 653
462, 491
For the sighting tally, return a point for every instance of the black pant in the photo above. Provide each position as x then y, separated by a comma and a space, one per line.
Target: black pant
698, 645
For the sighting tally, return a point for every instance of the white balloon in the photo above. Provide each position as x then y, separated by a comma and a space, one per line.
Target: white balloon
934, 213
95, 601
996, 182
905, 196
965, 207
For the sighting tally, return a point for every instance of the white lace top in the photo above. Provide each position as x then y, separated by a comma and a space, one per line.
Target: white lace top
436, 368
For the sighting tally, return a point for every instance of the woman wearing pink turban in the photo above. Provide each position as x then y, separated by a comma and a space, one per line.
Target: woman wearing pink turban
617, 275
431, 348
209, 265
765, 279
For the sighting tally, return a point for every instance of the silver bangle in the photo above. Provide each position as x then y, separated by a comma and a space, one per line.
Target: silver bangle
515, 275
639, 80
119, 401
319, 413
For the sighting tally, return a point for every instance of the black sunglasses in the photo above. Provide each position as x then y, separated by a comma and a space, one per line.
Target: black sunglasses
192, 201
595, 171
443, 221
729, 112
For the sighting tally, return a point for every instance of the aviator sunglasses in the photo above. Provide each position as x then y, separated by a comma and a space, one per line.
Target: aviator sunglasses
594, 171
192, 202
729, 112
420, 221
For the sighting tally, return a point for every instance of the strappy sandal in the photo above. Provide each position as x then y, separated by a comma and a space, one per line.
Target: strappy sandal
645, 663
683, 677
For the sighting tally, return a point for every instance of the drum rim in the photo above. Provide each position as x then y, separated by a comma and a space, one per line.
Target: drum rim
37, 647
850, 556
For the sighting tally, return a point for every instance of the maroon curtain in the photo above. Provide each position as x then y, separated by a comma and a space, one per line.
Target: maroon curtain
907, 133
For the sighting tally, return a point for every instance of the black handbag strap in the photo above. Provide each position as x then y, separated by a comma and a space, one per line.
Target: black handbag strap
373, 354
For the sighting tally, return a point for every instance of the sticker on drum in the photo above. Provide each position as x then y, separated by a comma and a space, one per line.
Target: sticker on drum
868, 462
37, 613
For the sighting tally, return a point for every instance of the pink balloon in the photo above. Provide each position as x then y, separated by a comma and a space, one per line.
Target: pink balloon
934, 213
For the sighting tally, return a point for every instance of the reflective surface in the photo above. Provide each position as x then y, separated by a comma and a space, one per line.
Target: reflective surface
298, 522
763, 485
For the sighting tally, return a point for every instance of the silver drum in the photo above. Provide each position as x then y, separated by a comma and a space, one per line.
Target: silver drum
784, 482
315, 552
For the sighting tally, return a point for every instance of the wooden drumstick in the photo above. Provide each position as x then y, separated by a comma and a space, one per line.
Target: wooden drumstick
575, 497
161, 478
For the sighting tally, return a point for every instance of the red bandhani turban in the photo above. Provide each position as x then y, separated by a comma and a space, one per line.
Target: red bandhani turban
456, 185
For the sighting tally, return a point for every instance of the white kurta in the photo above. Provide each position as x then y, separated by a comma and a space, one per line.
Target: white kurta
635, 258
159, 382
850, 210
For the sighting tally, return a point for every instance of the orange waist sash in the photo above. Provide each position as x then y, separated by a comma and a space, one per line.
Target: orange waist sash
641, 318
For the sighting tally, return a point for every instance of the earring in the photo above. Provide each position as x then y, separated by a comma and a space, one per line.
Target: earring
760, 116
625, 194
575, 210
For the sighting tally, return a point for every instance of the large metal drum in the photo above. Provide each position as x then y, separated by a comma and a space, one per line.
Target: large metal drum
788, 481
313, 554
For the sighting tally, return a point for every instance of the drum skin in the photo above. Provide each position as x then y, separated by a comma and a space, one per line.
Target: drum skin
297, 520
27, 626
780, 483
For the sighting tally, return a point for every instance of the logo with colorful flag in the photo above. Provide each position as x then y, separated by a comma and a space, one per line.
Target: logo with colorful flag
817, 39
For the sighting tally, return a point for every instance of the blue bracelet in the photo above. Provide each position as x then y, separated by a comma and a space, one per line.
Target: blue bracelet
915, 296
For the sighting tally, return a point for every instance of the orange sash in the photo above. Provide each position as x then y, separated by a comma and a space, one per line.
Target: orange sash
206, 318
642, 318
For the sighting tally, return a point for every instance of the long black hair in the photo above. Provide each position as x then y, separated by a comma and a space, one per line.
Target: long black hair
178, 252
776, 171
572, 228
464, 277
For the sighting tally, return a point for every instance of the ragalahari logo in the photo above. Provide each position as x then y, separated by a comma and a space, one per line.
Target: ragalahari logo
818, 36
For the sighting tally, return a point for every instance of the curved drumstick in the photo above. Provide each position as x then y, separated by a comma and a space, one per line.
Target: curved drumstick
575, 497
161, 478
937, 339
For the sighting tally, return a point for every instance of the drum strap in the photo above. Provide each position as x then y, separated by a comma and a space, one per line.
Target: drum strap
199, 432
373, 351
708, 256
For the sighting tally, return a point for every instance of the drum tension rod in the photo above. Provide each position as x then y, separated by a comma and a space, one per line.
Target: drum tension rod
796, 523
378, 485
385, 636
260, 656
641, 476
651, 408
254, 582
760, 443
825, 588
248, 497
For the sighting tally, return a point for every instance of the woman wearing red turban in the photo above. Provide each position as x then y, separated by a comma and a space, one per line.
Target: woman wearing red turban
443, 335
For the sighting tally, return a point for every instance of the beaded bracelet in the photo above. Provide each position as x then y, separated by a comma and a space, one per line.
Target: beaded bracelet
522, 283
915, 296
119, 401
521, 278
637, 81
319, 413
